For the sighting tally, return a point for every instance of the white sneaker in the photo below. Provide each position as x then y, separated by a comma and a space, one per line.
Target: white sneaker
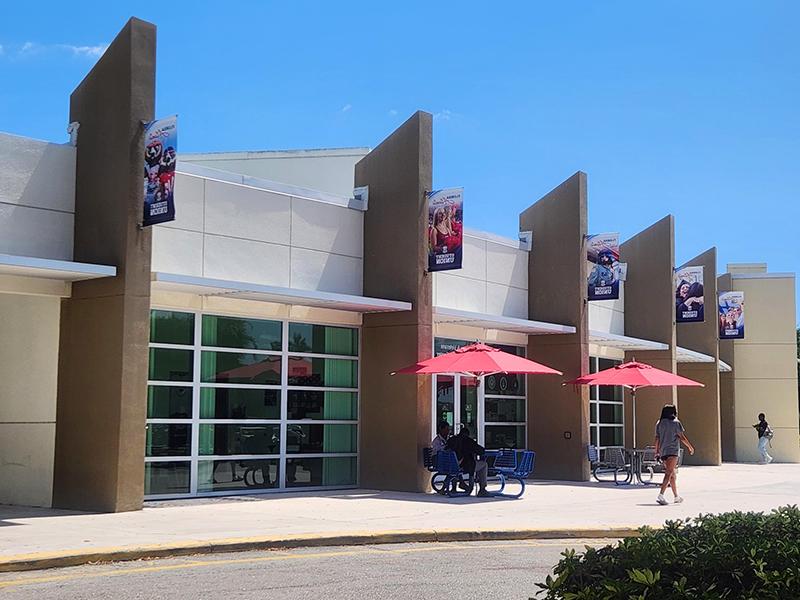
678, 499
770, 459
661, 500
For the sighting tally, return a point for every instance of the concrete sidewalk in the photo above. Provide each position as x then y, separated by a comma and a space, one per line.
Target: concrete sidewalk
37, 538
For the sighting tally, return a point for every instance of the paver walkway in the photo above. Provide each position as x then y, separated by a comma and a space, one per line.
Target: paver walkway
546, 505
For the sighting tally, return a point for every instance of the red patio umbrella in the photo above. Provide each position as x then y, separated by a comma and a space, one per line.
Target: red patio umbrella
634, 375
477, 360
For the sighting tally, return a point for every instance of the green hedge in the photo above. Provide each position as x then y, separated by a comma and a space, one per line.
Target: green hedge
734, 555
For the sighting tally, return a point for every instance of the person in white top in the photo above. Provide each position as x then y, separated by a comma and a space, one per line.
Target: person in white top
440, 441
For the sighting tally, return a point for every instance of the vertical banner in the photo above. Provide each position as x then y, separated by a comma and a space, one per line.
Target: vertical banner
160, 156
731, 315
445, 229
602, 254
689, 295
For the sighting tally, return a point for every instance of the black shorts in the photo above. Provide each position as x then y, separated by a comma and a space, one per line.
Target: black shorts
666, 456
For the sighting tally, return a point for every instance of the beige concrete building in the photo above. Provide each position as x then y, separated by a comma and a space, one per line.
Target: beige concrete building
764, 365
246, 346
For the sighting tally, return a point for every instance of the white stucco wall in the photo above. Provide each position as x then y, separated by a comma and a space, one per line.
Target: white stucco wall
37, 197
493, 279
238, 232
29, 333
608, 316
327, 170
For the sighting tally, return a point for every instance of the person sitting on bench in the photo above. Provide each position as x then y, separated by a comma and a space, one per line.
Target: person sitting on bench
440, 441
468, 450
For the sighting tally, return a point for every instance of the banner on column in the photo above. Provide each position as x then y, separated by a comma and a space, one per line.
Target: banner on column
445, 229
731, 315
160, 156
602, 254
689, 306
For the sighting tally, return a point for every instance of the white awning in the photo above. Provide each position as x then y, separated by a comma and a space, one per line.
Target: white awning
724, 367
442, 314
46, 268
204, 286
684, 355
623, 342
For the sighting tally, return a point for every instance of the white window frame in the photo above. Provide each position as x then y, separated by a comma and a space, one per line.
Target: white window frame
194, 458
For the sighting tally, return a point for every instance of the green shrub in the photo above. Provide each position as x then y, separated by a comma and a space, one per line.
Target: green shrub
734, 555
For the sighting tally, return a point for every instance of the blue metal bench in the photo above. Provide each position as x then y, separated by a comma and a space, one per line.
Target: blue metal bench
447, 476
512, 465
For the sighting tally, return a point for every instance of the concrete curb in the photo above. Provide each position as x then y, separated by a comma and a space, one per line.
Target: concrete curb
72, 558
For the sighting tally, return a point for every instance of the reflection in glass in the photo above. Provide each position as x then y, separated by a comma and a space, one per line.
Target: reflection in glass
170, 365
445, 400
237, 475
327, 471
327, 372
611, 414
469, 404
318, 438
168, 439
233, 367
611, 436
504, 436
171, 477
504, 384
233, 332
237, 403
169, 402
222, 440
171, 327
505, 410
316, 404
323, 339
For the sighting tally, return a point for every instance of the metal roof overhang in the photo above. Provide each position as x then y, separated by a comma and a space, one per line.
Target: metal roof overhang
442, 314
724, 367
204, 286
623, 342
46, 268
684, 355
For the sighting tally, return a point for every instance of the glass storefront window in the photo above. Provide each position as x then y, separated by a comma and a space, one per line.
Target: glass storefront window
611, 436
505, 385
245, 334
445, 400
606, 408
323, 339
239, 403
237, 475
263, 395
318, 438
504, 436
222, 440
169, 402
610, 413
171, 327
167, 364
234, 367
322, 471
323, 372
316, 404
168, 477
505, 410
168, 439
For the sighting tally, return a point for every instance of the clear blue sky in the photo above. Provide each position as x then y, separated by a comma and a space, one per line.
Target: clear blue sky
689, 108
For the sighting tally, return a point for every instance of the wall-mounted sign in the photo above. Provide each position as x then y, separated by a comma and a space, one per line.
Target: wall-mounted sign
160, 157
445, 229
731, 315
689, 305
602, 254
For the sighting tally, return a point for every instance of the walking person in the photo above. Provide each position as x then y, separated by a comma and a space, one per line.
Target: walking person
765, 434
669, 435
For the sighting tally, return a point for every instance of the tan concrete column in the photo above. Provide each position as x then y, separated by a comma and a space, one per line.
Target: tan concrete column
396, 411
727, 382
699, 406
102, 385
558, 416
650, 315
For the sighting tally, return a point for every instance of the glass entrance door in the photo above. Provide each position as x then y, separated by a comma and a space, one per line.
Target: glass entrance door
460, 404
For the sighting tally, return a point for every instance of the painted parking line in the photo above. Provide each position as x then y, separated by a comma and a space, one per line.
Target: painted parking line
198, 564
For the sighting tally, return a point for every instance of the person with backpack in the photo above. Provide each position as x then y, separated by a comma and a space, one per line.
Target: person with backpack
765, 435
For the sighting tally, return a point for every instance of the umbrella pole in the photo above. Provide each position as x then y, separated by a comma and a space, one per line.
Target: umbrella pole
633, 407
